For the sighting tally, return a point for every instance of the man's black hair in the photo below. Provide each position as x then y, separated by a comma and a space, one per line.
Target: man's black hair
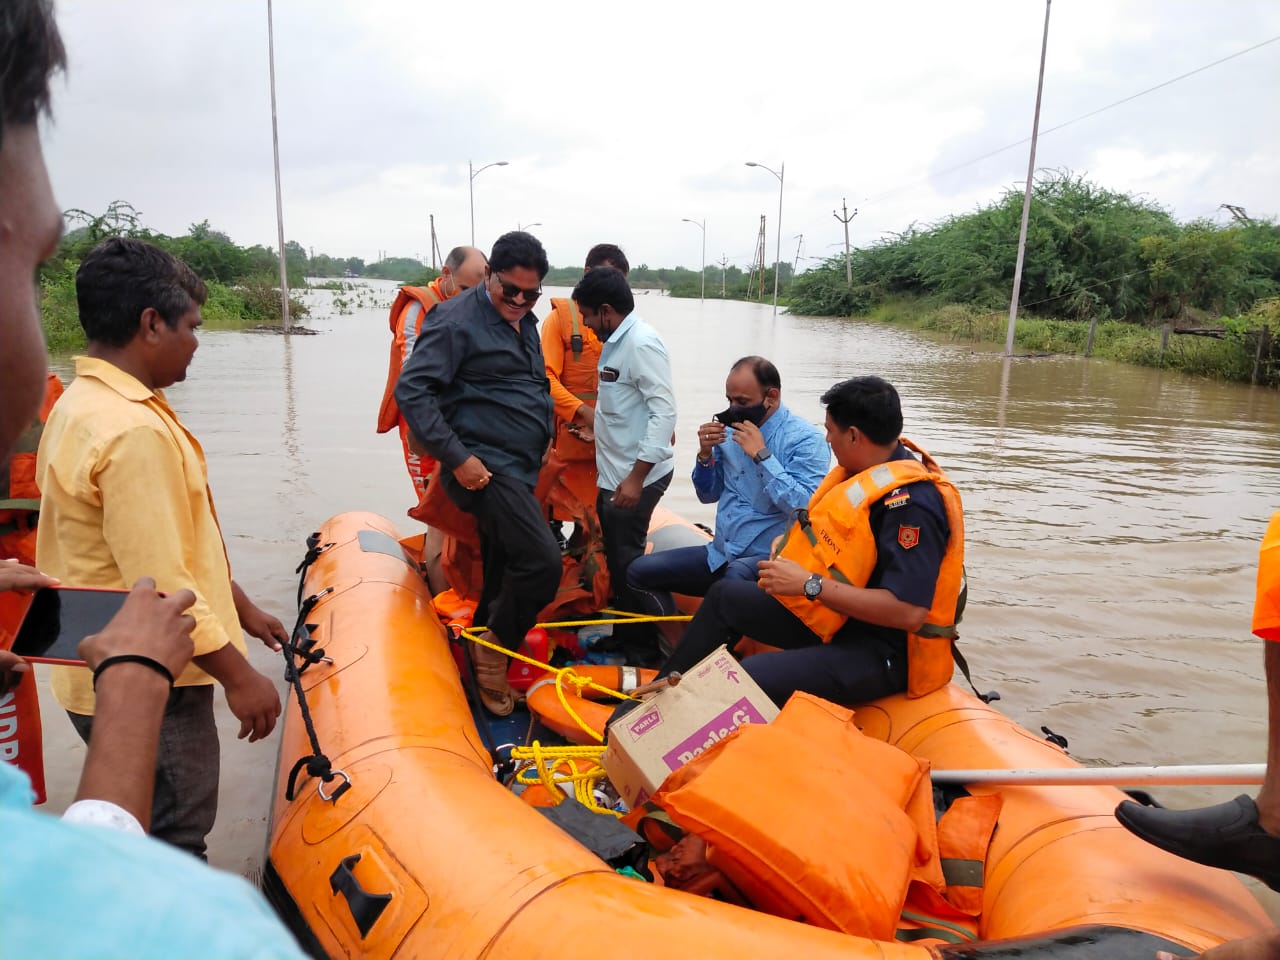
609, 253
121, 277
868, 403
519, 249
30, 51
765, 372
604, 285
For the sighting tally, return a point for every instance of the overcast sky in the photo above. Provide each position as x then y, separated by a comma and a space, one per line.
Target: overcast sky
619, 120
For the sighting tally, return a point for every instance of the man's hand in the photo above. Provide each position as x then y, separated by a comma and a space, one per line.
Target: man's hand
782, 578
256, 622
12, 669
628, 493
585, 416
748, 436
710, 434
254, 702
472, 474
18, 576
149, 625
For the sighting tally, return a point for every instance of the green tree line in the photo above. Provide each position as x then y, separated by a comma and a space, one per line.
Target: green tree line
1091, 253
1096, 261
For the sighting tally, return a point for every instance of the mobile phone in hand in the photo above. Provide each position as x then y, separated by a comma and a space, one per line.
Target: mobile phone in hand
60, 617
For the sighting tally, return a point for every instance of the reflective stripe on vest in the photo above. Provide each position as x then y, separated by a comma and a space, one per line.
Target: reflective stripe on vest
415, 303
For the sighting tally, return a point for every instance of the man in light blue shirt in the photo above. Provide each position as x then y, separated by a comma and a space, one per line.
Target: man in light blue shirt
758, 472
634, 424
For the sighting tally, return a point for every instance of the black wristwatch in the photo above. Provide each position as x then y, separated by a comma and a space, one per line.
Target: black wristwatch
764, 454
813, 587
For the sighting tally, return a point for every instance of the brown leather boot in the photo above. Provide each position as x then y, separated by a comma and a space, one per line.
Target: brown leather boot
491, 676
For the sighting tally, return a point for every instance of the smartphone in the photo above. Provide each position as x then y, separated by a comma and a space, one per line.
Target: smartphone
60, 617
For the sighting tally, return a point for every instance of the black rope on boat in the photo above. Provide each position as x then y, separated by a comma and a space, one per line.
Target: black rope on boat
314, 549
302, 646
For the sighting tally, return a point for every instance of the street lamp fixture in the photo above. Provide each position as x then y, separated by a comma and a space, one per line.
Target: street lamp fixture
475, 173
528, 226
777, 256
703, 227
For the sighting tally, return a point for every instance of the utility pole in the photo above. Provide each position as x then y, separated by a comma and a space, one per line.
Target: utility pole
275, 148
435, 247
844, 206
724, 266
1026, 196
796, 266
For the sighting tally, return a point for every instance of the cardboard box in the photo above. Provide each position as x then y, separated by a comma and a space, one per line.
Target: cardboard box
676, 724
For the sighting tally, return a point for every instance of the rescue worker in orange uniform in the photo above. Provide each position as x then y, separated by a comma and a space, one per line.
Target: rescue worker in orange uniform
862, 590
463, 268
1242, 834
19, 495
572, 353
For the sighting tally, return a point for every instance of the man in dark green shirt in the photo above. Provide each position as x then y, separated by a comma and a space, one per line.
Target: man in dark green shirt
476, 397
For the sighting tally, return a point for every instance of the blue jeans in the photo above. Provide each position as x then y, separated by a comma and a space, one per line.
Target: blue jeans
655, 576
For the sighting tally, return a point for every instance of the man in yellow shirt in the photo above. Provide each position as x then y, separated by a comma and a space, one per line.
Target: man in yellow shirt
126, 495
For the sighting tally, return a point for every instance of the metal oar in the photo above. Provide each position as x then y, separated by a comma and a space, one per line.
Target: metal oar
1170, 775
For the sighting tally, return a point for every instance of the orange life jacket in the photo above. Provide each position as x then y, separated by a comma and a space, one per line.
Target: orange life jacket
19, 494
21, 733
579, 373
406, 324
1266, 606
847, 869
837, 542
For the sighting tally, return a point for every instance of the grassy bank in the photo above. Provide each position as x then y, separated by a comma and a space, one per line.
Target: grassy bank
228, 308
1230, 358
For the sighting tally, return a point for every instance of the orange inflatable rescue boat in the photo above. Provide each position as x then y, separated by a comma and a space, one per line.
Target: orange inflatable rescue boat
393, 833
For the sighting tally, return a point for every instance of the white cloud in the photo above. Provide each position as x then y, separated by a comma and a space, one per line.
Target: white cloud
619, 123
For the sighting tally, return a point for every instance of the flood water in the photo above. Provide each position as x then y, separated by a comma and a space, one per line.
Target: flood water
1113, 515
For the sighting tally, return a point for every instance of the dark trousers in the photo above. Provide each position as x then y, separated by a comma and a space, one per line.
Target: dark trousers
656, 576
625, 531
852, 668
185, 802
519, 555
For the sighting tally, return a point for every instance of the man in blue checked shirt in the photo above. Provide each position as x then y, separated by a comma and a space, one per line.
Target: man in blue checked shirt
758, 462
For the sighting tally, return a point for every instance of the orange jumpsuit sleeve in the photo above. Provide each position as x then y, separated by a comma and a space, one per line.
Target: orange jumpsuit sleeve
553, 353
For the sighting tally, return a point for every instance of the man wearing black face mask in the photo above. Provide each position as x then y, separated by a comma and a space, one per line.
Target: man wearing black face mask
758, 470
634, 420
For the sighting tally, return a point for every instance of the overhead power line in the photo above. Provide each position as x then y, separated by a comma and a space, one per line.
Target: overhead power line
1067, 123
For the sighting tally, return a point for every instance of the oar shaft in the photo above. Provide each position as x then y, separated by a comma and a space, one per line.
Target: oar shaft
1171, 775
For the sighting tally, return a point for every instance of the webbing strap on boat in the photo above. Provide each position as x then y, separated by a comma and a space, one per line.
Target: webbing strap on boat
301, 645
932, 928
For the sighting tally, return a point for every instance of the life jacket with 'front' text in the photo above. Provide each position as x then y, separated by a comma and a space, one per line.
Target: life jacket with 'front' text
834, 538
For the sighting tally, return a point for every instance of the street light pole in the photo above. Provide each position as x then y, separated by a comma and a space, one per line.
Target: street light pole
475, 173
703, 227
777, 255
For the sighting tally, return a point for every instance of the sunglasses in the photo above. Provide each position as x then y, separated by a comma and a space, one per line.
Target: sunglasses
509, 290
